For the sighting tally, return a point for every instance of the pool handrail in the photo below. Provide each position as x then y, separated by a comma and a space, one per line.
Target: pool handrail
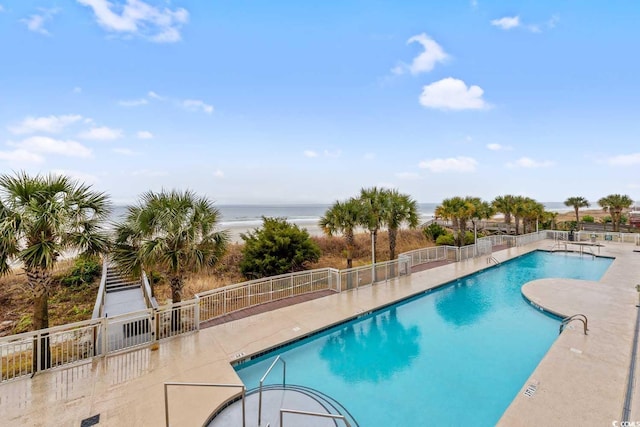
284, 375
312, 414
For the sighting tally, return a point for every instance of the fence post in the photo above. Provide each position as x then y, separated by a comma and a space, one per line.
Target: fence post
104, 325
196, 313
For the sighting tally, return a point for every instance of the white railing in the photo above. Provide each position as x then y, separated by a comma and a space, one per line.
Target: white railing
29, 352
424, 255
353, 278
149, 300
526, 239
97, 308
218, 302
127, 331
177, 319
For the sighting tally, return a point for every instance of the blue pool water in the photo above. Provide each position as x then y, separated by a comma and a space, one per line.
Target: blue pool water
455, 356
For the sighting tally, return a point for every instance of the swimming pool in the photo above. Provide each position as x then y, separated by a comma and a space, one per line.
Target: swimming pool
457, 355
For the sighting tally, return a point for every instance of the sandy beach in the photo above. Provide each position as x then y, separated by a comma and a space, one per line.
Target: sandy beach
235, 230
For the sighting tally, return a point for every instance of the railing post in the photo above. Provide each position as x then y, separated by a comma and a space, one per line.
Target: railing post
196, 314
224, 302
104, 325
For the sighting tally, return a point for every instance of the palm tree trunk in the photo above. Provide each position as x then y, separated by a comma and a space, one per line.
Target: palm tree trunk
517, 221
393, 233
350, 244
577, 216
176, 296
40, 280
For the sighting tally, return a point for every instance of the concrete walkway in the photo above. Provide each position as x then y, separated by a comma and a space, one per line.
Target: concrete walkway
127, 389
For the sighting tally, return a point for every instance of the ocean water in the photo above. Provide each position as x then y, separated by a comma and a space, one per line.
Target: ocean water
250, 216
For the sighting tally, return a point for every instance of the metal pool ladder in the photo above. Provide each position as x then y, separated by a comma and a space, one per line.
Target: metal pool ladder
492, 259
284, 375
580, 317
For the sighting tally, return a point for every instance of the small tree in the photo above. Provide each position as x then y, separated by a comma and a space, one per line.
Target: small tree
576, 203
614, 204
342, 217
277, 248
433, 231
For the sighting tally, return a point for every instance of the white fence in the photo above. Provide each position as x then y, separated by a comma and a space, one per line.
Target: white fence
218, 302
356, 277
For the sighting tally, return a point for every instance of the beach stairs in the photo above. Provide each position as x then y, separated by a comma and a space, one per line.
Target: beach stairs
116, 282
125, 310
122, 295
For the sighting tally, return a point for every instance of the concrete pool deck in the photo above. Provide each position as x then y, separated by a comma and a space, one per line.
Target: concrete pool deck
581, 380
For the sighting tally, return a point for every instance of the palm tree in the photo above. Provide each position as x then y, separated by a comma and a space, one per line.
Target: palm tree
615, 204
401, 208
342, 218
519, 210
576, 203
459, 211
41, 217
481, 210
504, 204
174, 233
373, 208
532, 212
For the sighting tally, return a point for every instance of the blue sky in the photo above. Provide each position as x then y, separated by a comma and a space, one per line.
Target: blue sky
302, 102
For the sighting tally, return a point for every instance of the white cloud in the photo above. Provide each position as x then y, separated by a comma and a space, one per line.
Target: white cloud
506, 23
83, 177
1, 8
144, 134
218, 173
369, 156
196, 105
510, 22
409, 176
529, 163
44, 144
426, 60
125, 152
452, 94
498, 147
102, 133
50, 124
21, 156
474, 4
77, 89
624, 160
139, 18
36, 22
451, 164
133, 102
310, 153
152, 94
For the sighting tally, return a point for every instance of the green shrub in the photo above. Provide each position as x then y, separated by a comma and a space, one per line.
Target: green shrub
446, 239
277, 247
433, 231
469, 238
623, 219
606, 219
588, 218
85, 270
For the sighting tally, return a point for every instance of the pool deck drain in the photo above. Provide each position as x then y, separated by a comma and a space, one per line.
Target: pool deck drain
127, 389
